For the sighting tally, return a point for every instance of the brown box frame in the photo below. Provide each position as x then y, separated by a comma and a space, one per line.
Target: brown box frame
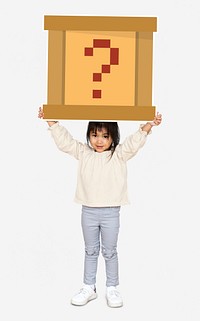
57, 27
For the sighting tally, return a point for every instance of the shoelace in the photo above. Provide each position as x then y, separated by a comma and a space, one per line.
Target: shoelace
114, 293
84, 291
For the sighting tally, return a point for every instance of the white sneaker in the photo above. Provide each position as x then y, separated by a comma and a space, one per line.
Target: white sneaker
113, 297
85, 295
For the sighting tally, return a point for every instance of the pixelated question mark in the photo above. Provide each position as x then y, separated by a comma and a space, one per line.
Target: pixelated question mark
105, 69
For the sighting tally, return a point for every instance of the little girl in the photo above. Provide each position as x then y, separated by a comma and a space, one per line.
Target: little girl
101, 190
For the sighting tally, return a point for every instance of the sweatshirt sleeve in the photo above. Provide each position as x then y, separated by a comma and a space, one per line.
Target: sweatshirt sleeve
132, 144
64, 141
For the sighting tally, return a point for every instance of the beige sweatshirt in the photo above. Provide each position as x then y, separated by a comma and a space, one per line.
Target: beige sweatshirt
101, 179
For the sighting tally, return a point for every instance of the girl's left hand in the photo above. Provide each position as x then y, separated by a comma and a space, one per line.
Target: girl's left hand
157, 119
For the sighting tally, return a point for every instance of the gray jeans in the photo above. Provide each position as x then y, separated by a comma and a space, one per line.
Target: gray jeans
101, 224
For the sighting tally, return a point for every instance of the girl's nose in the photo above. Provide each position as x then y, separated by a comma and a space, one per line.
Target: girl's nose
99, 139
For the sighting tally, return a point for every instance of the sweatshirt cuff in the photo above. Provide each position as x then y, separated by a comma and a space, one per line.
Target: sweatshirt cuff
143, 131
53, 126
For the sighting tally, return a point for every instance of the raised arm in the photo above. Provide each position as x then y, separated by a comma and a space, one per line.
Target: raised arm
134, 142
63, 139
157, 121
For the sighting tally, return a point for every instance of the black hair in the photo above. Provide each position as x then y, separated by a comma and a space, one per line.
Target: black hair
112, 129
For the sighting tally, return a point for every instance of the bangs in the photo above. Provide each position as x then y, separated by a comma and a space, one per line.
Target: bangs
98, 126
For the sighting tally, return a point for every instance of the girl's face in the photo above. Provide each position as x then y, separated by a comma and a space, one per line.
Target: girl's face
100, 140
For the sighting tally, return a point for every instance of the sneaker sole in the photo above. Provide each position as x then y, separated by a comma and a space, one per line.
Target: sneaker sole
93, 297
114, 305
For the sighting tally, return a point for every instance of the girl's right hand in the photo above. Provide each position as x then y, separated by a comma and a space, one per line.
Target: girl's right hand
40, 113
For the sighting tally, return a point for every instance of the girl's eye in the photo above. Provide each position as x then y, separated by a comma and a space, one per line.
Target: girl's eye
104, 136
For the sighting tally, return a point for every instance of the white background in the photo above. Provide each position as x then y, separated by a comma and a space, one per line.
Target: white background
41, 245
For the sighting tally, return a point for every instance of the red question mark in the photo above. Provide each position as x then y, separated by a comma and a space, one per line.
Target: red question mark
114, 60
